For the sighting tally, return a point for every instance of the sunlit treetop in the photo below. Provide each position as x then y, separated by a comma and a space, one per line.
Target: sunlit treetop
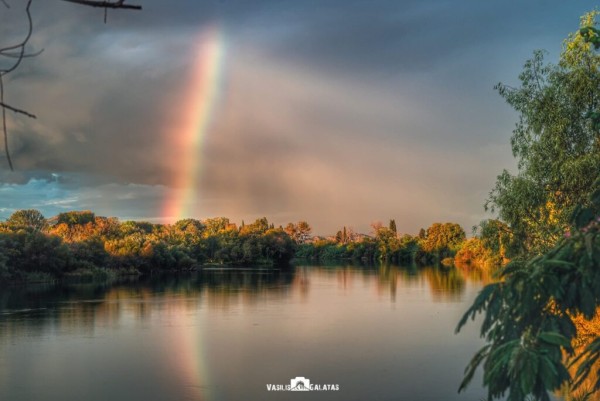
578, 46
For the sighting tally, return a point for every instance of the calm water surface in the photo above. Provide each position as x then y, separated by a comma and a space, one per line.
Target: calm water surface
379, 333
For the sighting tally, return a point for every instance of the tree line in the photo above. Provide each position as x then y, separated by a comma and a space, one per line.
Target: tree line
79, 243
441, 242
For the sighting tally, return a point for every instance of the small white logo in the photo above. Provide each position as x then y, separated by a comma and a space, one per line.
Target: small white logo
300, 384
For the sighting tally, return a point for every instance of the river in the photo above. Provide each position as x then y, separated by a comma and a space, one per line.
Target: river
353, 332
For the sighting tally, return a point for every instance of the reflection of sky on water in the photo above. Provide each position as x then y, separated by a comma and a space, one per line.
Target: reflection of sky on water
194, 337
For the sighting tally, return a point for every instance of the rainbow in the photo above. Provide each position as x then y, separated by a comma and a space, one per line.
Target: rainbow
186, 349
198, 111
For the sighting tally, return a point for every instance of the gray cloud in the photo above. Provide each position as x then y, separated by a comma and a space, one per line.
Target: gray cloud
335, 112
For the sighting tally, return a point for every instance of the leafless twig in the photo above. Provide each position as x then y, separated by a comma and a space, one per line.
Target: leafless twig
17, 110
18, 55
19, 47
17, 52
106, 4
4, 125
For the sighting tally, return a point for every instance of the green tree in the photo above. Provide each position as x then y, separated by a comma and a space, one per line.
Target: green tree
89, 251
496, 237
130, 227
529, 316
259, 227
29, 251
345, 236
557, 147
388, 244
28, 218
278, 246
215, 225
409, 248
190, 226
443, 239
5, 268
551, 207
76, 217
299, 232
472, 251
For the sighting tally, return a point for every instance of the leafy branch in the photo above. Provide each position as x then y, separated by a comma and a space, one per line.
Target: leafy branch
535, 318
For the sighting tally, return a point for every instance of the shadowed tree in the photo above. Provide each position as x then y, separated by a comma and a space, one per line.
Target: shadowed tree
393, 226
76, 217
28, 218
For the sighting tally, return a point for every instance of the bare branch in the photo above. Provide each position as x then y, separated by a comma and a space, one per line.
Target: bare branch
105, 4
17, 55
16, 110
17, 52
20, 46
6, 151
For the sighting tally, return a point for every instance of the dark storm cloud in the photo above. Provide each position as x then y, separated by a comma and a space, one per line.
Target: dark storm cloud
101, 103
405, 36
339, 112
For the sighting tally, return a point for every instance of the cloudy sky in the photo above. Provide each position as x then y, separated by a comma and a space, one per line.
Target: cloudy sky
336, 112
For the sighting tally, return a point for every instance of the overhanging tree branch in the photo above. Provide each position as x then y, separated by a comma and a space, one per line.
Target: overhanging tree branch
17, 110
106, 4
17, 53
6, 150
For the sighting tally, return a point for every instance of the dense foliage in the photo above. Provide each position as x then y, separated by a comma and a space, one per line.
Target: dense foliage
535, 317
529, 316
79, 243
555, 142
439, 241
82, 243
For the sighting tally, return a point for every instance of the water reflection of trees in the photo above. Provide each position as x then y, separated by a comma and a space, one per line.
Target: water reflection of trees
82, 308
445, 283
477, 274
35, 310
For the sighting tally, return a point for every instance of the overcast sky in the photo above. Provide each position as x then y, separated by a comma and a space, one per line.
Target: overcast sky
335, 112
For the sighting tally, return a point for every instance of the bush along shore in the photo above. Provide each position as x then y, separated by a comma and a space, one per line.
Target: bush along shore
79, 245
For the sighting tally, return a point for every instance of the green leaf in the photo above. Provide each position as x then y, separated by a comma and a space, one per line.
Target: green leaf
554, 339
528, 371
548, 373
472, 367
478, 304
583, 218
